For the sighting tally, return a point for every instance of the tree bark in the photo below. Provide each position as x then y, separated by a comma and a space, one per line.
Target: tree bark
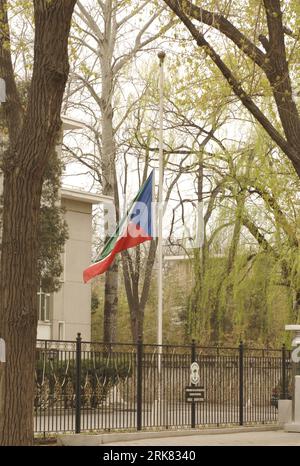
137, 298
108, 161
195, 324
24, 165
111, 304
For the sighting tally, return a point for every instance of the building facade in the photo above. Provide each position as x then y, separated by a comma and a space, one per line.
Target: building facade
65, 313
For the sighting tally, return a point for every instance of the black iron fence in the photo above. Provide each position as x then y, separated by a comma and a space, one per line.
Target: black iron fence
90, 386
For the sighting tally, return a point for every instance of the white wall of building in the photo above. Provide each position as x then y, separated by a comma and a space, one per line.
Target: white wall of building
72, 304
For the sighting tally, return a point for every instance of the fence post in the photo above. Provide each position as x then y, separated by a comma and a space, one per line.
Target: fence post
2, 371
193, 405
241, 383
283, 394
78, 385
139, 383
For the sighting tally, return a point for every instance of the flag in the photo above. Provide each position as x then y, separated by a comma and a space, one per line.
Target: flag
134, 228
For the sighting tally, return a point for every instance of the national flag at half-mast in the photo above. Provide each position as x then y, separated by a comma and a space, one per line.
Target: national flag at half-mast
134, 228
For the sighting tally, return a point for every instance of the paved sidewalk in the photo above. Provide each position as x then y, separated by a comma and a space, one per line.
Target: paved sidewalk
267, 438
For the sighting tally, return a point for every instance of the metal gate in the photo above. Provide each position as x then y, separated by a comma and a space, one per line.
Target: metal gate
90, 386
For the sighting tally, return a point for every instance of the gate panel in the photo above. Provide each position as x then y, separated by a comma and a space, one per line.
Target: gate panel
123, 387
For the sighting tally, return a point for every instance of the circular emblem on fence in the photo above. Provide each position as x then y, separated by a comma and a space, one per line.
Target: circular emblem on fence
194, 373
296, 355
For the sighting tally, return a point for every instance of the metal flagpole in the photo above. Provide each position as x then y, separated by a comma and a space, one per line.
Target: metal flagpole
158, 406
161, 56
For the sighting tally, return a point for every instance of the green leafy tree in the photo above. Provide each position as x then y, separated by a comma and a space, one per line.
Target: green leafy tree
252, 252
53, 229
274, 68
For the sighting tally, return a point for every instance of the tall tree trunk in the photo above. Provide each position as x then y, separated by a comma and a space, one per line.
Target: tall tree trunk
137, 299
296, 307
195, 321
228, 312
23, 167
108, 161
111, 304
18, 305
137, 315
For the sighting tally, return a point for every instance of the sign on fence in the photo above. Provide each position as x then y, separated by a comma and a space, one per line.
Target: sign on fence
194, 394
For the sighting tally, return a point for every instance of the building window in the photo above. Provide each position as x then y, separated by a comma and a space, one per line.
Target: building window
43, 306
61, 330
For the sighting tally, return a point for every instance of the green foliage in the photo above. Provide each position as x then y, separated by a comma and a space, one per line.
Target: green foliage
177, 284
249, 304
123, 330
102, 367
94, 301
102, 371
53, 230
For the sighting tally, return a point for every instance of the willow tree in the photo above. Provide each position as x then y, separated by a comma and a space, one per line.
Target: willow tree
265, 38
252, 269
33, 130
